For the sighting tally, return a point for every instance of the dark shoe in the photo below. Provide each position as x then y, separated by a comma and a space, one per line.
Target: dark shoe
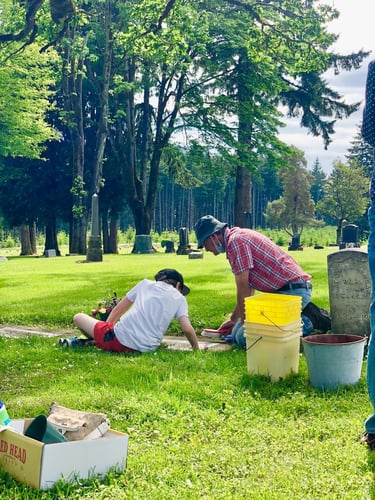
369, 439
319, 317
76, 342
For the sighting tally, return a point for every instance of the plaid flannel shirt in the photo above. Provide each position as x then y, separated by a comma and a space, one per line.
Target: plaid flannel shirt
270, 267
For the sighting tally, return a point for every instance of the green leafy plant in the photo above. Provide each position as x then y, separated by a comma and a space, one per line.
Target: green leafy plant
105, 305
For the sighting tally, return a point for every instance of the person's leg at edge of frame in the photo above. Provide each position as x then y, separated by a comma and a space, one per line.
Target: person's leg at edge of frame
370, 422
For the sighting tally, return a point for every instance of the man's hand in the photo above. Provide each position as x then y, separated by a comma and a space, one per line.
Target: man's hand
226, 326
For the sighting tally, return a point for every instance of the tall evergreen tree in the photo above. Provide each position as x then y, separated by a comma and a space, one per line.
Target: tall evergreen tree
318, 180
362, 153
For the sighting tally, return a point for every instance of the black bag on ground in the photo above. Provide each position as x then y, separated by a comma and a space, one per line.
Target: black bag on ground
319, 317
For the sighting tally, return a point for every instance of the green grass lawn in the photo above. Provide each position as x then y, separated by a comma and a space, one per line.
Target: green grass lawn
49, 291
199, 426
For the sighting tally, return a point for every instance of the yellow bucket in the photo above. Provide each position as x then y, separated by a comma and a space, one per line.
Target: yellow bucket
273, 309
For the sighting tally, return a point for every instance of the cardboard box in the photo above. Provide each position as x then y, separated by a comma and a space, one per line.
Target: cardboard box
41, 465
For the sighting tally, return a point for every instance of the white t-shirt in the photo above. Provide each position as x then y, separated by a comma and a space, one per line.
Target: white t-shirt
155, 305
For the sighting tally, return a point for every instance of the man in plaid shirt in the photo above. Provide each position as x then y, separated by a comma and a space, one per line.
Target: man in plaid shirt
257, 264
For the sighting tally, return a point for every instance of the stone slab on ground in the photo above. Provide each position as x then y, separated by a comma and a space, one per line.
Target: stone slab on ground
24, 331
181, 344
169, 342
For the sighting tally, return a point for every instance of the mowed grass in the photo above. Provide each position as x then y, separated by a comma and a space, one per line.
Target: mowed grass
49, 291
199, 426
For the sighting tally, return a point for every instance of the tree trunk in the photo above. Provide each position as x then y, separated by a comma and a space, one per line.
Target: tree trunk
105, 232
242, 202
77, 235
51, 237
242, 197
26, 246
101, 84
142, 218
113, 230
32, 230
72, 75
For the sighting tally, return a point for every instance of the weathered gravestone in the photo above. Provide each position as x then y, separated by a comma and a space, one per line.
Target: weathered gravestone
169, 246
349, 291
50, 253
183, 247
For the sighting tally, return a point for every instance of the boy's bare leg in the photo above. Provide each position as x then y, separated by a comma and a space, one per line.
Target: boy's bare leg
85, 324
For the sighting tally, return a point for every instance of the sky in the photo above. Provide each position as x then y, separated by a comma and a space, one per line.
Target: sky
355, 28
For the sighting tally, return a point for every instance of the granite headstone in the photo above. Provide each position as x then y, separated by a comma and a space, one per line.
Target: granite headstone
349, 291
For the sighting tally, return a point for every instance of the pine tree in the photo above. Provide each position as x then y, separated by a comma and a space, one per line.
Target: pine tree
318, 183
362, 153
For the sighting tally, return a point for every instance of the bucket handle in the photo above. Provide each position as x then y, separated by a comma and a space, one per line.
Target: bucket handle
270, 320
253, 344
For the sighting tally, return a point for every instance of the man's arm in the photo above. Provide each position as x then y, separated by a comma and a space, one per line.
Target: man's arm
243, 291
189, 331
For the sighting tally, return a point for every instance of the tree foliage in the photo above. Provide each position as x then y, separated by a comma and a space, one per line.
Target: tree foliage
138, 76
26, 82
317, 186
362, 153
345, 194
295, 208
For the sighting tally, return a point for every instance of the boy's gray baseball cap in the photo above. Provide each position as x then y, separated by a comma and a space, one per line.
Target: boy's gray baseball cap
206, 226
172, 274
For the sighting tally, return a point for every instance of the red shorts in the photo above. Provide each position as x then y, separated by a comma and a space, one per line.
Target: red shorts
105, 338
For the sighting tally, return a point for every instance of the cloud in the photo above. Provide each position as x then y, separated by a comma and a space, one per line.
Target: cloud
355, 27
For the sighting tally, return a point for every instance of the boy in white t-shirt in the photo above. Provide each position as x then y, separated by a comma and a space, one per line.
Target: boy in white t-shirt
139, 321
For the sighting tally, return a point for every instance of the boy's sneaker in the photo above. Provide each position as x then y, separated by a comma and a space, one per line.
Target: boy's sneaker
75, 342
369, 439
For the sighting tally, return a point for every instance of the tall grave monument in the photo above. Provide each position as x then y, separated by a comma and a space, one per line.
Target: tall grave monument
94, 250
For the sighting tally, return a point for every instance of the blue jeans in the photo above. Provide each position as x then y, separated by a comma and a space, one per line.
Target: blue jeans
237, 334
305, 294
370, 422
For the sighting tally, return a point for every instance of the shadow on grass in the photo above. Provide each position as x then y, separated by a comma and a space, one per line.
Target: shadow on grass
261, 384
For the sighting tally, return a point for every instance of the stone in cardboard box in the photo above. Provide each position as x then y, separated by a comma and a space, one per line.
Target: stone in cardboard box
41, 465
